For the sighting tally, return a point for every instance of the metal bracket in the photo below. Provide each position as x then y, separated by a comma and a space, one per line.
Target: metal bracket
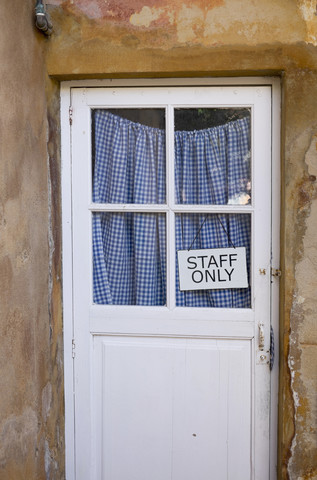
272, 350
70, 112
266, 357
276, 272
262, 357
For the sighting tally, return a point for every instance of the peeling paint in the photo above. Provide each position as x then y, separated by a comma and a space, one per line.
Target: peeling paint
23, 258
190, 22
46, 401
308, 10
199, 22
17, 435
146, 16
50, 463
302, 359
311, 156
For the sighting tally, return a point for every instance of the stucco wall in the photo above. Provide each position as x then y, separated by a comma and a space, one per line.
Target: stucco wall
31, 381
227, 37
116, 38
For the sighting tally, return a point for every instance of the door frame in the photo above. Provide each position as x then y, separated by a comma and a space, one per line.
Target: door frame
66, 171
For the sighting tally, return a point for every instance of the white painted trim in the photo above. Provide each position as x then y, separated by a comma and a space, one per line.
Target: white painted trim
135, 207
67, 282
170, 82
67, 234
170, 196
276, 212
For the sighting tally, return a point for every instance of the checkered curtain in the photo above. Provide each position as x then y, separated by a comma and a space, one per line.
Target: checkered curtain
129, 249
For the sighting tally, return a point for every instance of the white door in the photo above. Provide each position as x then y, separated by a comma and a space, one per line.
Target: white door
170, 384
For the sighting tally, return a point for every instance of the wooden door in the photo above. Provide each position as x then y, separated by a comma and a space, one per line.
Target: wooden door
176, 388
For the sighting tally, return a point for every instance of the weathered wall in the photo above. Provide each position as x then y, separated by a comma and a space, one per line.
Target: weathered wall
300, 302
115, 38
112, 37
31, 383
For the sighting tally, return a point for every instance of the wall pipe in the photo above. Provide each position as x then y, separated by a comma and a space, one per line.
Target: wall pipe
43, 21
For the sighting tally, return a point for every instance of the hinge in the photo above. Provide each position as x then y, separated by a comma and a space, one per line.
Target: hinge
272, 348
73, 348
70, 111
276, 272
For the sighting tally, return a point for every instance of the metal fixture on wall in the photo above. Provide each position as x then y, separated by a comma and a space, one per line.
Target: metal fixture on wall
43, 21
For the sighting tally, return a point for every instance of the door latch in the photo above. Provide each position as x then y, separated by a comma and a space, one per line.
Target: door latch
261, 336
265, 356
262, 355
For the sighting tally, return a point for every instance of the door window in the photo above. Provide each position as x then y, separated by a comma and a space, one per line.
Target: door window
211, 156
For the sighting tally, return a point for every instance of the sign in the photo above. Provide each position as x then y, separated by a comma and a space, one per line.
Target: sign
214, 268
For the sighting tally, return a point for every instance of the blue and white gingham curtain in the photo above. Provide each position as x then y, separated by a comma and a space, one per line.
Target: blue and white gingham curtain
129, 249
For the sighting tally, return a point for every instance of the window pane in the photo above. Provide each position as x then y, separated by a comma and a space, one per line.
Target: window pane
213, 156
129, 156
195, 231
129, 258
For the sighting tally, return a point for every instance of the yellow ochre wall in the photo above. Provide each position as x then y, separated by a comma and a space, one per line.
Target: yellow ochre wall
130, 39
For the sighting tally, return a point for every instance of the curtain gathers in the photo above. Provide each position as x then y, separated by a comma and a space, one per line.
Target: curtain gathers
212, 166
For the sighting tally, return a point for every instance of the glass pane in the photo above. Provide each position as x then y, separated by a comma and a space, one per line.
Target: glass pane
129, 258
129, 156
213, 156
196, 231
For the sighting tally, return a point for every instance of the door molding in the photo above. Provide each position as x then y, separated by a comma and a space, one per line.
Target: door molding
66, 142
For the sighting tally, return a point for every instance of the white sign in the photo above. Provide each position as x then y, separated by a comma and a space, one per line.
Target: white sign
213, 268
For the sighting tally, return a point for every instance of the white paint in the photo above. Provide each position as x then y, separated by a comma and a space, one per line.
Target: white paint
67, 284
213, 268
276, 197
99, 324
163, 412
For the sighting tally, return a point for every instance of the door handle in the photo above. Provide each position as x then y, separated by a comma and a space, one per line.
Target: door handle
261, 336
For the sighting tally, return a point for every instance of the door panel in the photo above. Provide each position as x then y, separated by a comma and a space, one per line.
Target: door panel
166, 389
173, 403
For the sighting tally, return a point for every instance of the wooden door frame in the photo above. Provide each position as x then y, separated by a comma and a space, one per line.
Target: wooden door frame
66, 142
